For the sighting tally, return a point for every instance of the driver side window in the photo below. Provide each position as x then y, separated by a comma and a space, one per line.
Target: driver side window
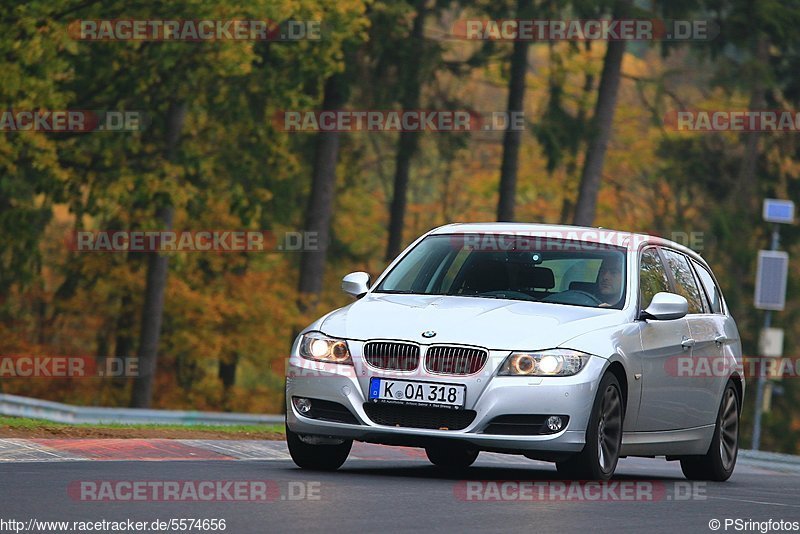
652, 277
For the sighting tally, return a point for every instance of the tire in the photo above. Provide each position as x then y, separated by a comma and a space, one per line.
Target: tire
452, 457
598, 459
719, 462
317, 457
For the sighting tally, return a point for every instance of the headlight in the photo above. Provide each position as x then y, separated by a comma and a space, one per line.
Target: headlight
553, 362
321, 348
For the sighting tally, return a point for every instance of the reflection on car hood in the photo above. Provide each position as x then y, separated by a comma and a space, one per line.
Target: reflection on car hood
492, 323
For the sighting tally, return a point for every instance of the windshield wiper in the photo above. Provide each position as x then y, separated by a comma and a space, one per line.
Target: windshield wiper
478, 295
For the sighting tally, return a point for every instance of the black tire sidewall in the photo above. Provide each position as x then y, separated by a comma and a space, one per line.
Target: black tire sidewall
714, 452
590, 451
456, 456
709, 466
320, 457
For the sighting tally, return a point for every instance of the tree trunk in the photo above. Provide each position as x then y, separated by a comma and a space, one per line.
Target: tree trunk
746, 189
320, 203
512, 138
407, 146
153, 308
600, 131
588, 87
226, 372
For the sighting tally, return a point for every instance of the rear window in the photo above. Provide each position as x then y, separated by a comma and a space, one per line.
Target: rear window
711, 289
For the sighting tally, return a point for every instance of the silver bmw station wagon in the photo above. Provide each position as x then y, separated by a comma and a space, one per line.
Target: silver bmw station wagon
566, 344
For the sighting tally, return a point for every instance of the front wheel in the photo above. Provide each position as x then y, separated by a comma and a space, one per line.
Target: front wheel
452, 457
718, 463
598, 459
317, 457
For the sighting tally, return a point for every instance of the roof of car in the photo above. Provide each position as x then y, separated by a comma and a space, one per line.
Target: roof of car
631, 240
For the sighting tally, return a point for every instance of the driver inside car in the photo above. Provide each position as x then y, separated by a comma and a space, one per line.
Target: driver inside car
609, 282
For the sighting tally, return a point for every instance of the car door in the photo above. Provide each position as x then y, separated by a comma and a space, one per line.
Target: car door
662, 405
720, 337
699, 370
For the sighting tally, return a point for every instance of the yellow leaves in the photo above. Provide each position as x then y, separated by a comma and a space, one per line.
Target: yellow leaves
235, 59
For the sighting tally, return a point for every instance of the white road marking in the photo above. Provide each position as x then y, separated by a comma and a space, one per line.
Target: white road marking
756, 502
36, 452
244, 449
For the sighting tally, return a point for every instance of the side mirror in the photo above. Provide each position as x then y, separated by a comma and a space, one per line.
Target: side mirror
356, 284
666, 307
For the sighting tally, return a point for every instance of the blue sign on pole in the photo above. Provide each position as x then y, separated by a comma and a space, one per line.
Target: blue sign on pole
778, 211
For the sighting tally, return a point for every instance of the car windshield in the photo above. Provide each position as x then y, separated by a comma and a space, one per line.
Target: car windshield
512, 267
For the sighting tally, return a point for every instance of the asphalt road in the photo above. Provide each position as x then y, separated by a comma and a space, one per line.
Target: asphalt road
408, 495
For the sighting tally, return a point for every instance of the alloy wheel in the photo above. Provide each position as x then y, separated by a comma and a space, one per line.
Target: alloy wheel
729, 430
609, 429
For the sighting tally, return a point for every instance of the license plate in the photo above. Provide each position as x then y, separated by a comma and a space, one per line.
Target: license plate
417, 393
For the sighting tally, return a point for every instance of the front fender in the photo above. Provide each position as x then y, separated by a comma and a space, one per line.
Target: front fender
617, 345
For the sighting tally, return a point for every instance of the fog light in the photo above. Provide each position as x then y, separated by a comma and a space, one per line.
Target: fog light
302, 404
554, 423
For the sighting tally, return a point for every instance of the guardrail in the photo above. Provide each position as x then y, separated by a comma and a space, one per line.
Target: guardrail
770, 460
57, 412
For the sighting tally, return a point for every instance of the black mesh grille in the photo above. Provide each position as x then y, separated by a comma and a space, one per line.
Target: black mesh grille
455, 360
331, 411
521, 425
419, 416
392, 356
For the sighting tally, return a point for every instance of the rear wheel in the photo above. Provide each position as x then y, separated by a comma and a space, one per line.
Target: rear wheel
718, 463
598, 459
452, 456
317, 457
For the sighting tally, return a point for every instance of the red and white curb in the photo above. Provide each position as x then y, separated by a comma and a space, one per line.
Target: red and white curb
69, 450
66, 450
63, 450
74, 450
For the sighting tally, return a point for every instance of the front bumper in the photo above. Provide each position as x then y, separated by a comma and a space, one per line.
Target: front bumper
497, 395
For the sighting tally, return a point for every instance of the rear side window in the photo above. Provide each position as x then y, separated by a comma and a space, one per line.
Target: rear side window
652, 277
712, 291
685, 283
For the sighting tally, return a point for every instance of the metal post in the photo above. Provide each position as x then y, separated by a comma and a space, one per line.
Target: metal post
762, 379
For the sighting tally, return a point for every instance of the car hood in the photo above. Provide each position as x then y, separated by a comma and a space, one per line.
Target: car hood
491, 323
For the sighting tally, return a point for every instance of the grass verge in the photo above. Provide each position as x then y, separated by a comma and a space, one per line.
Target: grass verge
24, 427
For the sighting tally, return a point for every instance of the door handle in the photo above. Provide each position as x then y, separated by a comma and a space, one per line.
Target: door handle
719, 339
687, 343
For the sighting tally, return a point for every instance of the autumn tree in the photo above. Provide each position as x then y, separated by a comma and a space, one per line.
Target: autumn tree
512, 137
601, 124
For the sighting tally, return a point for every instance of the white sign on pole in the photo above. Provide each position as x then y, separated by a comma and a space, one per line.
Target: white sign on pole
773, 268
770, 344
